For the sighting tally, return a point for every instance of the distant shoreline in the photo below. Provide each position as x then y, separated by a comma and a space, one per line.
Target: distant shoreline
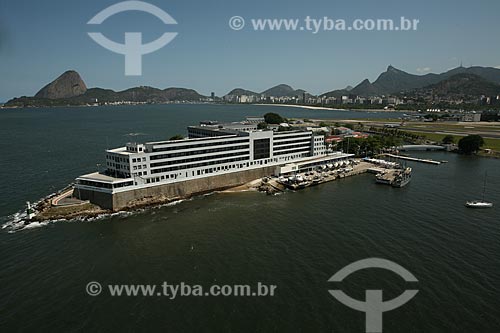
307, 107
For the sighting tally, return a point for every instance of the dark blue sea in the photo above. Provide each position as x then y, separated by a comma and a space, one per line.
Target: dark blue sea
295, 240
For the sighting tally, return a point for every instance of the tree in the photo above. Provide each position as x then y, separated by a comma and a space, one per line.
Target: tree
349, 126
261, 126
434, 117
470, 144
449, 139
273, 118
284, 129
177, 137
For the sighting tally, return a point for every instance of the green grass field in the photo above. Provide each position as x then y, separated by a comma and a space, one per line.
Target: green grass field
493, 144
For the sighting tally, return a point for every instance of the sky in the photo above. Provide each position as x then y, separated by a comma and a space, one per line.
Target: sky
39, 40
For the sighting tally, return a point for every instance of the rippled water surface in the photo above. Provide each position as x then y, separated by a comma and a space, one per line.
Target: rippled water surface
296, 240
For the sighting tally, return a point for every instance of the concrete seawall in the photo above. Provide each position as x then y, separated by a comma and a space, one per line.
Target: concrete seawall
167, 192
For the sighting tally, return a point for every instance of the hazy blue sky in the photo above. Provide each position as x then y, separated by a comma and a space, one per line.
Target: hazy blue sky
39, 40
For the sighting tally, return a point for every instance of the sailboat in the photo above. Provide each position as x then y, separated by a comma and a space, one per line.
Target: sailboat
480, 203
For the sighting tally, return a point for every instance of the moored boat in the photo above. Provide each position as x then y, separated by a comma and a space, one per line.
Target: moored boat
403, 178
480, 203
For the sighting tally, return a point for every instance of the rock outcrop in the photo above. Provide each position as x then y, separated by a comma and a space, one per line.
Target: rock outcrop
68, 85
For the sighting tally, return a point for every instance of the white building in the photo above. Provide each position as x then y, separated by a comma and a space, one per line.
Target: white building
210, 149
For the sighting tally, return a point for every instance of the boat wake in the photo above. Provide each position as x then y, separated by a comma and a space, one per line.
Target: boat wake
135, 134
17, 222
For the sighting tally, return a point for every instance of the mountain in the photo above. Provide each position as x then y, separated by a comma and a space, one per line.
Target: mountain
68, 85
240, 91
69, 89
365, 88
394, 81
487, 73
337, 93
283, 90
182, 94
155, 95
464, 84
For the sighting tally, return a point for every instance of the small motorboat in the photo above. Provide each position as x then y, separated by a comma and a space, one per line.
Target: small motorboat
478, 204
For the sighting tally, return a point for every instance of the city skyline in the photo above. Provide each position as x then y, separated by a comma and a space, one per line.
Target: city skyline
208, 56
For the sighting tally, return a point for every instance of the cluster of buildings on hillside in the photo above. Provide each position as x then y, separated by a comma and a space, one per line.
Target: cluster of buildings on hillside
430, 97
248, 99
490, 100
314, 100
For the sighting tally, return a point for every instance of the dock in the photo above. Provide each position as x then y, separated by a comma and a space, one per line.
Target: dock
413, 159
319, 177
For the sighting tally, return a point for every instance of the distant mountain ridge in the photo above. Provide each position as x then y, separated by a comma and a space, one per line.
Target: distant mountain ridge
281, 90
241, 91
463, 84
69, 89
394, 81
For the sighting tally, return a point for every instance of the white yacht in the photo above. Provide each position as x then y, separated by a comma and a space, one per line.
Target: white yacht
480, 203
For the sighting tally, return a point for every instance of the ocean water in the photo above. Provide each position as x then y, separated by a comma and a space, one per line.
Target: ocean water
296, 240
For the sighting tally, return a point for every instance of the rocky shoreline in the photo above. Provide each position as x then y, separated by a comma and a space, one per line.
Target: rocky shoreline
62, 206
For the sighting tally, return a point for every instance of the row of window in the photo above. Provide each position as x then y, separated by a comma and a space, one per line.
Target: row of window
175, 142
157, 179
224, 167
135, 160
203, 133
291, 152
198, 172
104, 185
197, 159
277, 136
291, 147
117, 166
281, 143
200, 145
134, 149
116, 158
198, 165
215, 169
198, 152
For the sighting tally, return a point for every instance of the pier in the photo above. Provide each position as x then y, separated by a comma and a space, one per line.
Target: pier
413, 159
307, 179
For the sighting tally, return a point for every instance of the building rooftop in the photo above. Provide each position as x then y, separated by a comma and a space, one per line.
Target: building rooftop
103, 178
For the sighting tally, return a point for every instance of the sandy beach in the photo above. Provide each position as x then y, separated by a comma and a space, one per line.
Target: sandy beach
310, 107
304, 107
